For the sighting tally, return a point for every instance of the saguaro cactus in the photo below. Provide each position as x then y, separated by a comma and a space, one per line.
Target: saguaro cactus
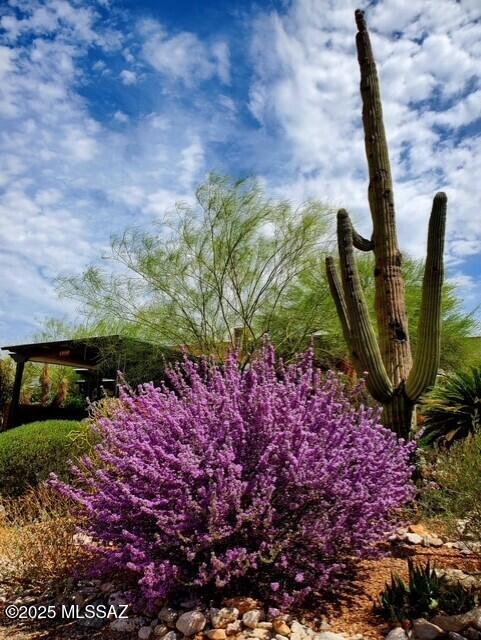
392, 377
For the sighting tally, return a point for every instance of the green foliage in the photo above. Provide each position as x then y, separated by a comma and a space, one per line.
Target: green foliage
225, 263
455, 491
453, 408
29, 453
236, 259
425, 594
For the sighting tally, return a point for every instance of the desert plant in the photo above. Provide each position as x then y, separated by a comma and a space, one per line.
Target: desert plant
392, 379
30, 452
266, 479
452, 410
208, 269
38, 546
455, 490
426, 593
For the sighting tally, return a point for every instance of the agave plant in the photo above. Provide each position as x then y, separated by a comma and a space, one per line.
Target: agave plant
426, 593
453, 408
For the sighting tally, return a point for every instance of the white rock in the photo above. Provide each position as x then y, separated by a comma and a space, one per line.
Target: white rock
424, 630
265, 625
160, 630
220, 618
252, 618
413, 538
299, 629
329, 635
145, 633
432, 541
397, 634
262, 634
191, 622
171, 635
278, 636
234, 627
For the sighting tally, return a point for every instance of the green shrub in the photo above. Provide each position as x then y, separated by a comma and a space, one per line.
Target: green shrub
30, 452
453, 409
425, 594
455, 490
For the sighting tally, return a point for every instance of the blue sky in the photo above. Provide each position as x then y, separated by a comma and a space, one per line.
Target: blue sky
110, 111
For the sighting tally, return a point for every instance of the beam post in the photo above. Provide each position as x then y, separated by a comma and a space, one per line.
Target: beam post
20, 359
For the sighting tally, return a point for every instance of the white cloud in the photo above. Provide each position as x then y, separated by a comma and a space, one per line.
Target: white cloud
128, 77
121, 117
70, 175
307, 88
183, 56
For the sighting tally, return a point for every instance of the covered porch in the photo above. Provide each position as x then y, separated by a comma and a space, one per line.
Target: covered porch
97, 361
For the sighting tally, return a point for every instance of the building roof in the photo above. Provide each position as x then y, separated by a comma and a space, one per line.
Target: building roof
88, 353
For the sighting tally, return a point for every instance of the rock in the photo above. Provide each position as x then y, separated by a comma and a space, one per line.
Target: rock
472, 634
169, 616
456, 576
145, 633
397, 634
424, 630
107, 587
452, 635
126, 625
171, 635
476, 618
299, 630
220, 618
160, 630
329, 635
281, 627
265, 625
278, 636
432, 541
243, 604
234, 627
459, 622
262, 634
191, 622
216, 634
252, 618
413, 538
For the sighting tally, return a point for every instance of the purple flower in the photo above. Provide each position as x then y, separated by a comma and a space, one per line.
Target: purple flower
268, 478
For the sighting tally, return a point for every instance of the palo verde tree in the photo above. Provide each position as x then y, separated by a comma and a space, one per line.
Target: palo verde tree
223, 264
393, 379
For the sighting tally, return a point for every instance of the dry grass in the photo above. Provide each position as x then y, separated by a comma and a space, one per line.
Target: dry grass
37, 543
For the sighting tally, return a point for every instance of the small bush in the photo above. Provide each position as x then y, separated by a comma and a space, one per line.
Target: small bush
37, 539
425, 594
455, 490
29, 453
453, 408
266, 481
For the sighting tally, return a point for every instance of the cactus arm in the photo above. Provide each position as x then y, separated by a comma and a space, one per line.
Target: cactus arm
337, 294
426, 361
364, 344
338, 297
363, 244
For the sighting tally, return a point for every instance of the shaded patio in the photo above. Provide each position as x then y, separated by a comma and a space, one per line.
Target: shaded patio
97, 361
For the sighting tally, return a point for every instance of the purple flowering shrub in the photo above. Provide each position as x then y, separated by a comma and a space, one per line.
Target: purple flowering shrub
266, 480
